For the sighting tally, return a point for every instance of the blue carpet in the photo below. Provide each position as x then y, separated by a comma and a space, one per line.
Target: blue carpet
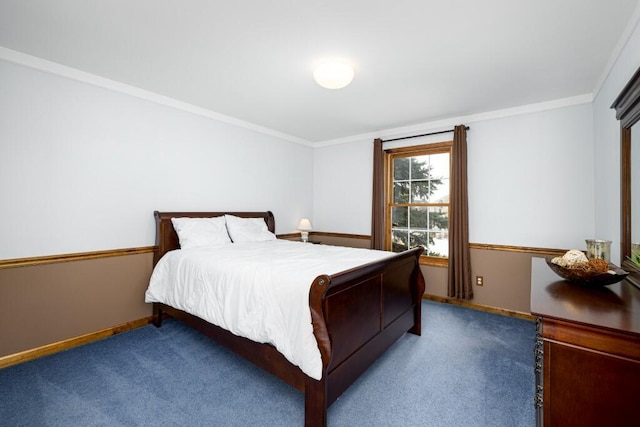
469, 368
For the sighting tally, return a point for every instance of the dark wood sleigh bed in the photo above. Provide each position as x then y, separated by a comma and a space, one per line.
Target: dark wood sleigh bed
356, 315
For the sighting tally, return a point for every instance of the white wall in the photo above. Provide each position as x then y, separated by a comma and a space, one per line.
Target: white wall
82, 168
607, 144
342, 187
530, 180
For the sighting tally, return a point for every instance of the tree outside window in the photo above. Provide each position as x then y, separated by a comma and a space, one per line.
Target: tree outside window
418, 199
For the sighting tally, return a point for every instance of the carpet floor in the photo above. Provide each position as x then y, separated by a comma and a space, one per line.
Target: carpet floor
469, 368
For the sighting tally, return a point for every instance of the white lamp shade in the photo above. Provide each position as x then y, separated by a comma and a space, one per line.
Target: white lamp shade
304, 225
333, 75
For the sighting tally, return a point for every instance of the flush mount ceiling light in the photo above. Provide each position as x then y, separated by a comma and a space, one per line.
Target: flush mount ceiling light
333, 75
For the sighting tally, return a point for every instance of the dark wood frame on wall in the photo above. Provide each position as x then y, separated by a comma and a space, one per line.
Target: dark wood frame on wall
627, 106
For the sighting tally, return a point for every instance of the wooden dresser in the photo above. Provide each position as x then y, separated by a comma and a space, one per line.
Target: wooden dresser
587, 351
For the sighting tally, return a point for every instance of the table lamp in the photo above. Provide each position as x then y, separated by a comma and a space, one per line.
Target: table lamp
304, 226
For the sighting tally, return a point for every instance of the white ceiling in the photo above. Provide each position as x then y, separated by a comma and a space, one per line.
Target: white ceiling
416, 61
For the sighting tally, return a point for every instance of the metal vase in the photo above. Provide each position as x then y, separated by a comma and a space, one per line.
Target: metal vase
599, 249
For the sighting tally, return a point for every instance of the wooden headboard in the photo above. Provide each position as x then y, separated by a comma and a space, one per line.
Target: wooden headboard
167, 239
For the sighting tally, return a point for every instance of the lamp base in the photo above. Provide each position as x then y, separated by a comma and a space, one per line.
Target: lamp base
304, 235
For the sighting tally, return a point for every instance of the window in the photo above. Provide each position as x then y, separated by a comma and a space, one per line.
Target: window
417, 199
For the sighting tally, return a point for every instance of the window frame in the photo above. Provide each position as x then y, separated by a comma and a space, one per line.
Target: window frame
413, 151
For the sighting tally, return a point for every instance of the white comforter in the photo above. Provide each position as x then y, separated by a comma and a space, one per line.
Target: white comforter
256, 290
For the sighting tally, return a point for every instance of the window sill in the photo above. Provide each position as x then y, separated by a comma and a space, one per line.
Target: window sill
434, 262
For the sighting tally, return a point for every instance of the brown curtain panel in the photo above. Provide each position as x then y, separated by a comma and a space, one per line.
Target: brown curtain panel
459, 256
377, 211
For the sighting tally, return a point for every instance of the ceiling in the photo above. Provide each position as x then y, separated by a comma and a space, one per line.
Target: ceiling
416, 61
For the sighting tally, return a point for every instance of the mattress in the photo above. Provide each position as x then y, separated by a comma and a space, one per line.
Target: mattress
259, 291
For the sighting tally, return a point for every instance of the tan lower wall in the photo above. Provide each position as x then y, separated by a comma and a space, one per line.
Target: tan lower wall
337, 239
506, 277
353, 242
44, 304
48, 303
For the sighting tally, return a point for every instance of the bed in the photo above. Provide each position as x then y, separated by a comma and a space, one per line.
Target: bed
356, 315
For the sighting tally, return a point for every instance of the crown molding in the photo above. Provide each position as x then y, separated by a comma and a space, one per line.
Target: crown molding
450, 122
102, 82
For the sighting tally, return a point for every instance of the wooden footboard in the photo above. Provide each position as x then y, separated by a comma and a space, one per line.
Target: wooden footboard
356, 315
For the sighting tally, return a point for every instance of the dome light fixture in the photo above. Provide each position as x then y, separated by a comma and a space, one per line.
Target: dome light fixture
333, 75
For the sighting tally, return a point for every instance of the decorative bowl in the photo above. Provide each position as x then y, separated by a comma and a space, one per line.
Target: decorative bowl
585, 278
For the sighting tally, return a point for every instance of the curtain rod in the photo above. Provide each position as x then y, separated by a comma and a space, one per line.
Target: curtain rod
424, 134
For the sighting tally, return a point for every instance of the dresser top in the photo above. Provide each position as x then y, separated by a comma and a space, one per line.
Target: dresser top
615, 307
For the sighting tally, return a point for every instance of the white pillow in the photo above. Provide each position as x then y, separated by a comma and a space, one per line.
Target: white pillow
197, 232
244, 230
